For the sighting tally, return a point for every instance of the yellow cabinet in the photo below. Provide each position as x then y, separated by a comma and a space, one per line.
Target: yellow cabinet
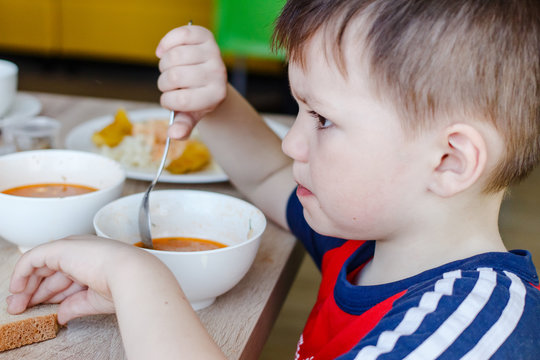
125, 29
29, 25
109, 29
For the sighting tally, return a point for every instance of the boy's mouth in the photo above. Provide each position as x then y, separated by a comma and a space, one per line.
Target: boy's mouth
302, 191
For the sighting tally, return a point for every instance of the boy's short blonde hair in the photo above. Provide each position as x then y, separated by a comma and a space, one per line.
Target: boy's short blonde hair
437, 58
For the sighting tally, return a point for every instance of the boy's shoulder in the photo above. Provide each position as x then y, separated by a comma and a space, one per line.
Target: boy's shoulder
470, 313
487, 306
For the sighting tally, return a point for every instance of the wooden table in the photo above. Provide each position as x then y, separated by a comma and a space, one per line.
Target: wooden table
239, 321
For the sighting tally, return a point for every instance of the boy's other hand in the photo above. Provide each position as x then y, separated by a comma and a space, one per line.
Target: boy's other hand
73, 272
193, 76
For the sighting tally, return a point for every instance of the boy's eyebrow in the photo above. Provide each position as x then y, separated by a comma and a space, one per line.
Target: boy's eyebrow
298, 97
307, 100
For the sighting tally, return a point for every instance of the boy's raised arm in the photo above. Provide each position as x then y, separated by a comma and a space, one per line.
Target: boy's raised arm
251, 155
194, 84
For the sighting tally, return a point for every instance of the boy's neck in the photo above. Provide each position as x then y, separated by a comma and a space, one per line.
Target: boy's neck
447, 235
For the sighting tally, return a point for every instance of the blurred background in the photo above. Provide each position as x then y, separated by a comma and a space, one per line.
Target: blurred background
74, 38
105, 48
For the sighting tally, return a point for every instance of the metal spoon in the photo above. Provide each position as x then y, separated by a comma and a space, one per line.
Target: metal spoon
144, 213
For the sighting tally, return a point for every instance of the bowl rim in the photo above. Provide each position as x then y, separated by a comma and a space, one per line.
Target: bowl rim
253, 238
22, 154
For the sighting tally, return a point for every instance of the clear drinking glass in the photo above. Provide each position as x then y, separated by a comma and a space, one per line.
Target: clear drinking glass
6, 145
35, 133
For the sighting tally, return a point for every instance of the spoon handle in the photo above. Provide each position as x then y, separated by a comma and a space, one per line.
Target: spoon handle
145, 223
165, 151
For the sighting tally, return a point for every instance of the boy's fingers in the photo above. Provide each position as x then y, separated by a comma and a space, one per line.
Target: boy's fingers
50, 287
21, 273
19, 280
180, 77
192, 76
184, 35
73, 307
189, 100
73, 289
32, 285
183, 56
28, 283
17, 303
83, 303
182, 127
42, 260
20, 300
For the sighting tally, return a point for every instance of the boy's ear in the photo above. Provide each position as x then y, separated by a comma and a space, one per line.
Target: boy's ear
462, 159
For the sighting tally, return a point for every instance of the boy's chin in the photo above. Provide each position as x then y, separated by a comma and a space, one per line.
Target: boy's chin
323, 226
319, 225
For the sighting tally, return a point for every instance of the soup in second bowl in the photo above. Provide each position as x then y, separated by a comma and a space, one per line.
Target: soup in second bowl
49, 190
183, 244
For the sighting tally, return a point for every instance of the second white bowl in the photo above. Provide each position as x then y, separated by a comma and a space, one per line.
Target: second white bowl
30, 221
203, 275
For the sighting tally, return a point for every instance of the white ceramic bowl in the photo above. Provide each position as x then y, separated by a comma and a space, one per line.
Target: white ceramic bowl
30, 221
203, 275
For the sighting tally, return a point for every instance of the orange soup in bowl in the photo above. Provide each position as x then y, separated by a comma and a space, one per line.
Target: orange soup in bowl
49, 190
183, 244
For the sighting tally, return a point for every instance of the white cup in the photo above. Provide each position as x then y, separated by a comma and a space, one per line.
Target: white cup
8, 85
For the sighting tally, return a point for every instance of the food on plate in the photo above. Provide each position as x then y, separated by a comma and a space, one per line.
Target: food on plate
142, 147
36, 324
154, 135
49, 190
195, 156
183, 244
113, 134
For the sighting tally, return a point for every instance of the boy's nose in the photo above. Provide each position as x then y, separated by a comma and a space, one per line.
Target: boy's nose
295, 144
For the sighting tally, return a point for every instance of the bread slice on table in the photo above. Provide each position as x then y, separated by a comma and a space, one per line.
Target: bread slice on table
35, 324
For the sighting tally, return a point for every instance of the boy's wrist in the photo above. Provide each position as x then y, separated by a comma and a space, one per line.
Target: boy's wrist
132, 266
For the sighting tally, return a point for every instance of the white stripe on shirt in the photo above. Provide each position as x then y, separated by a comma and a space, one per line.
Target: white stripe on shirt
413, 318
460, 319
503, 327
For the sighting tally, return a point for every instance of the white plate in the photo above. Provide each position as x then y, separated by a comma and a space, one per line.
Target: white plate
80, 138
24, 106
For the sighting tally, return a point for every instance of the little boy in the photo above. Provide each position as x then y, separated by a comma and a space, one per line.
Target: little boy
414, 117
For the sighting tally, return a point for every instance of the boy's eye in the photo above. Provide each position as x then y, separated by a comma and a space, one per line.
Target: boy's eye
323, 122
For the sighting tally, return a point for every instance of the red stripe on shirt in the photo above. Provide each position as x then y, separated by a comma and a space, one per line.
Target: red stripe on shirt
535, 286
329, 331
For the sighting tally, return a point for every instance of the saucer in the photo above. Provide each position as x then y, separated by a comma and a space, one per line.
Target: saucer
24, 106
